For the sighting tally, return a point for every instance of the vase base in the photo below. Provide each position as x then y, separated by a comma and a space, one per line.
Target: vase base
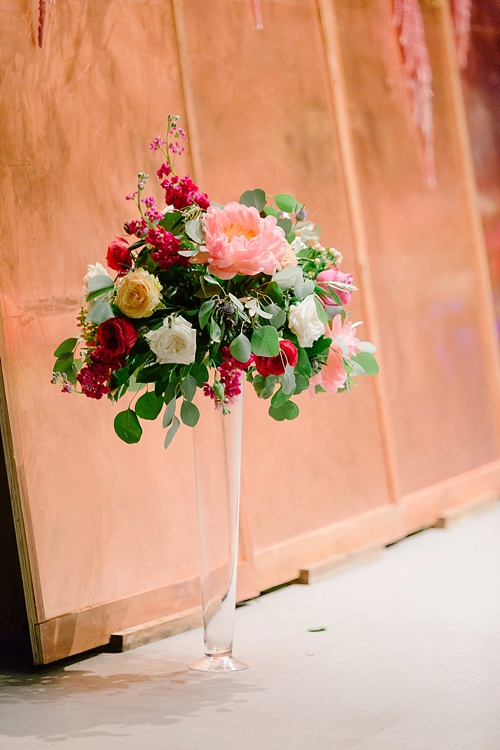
222, 663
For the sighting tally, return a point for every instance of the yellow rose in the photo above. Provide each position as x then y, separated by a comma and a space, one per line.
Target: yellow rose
138, 294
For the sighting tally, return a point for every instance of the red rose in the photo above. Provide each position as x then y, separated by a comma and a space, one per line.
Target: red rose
276, 365
119, 257
117, 336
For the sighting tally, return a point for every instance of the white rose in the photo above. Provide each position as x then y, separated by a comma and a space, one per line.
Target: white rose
174, 342
304, 322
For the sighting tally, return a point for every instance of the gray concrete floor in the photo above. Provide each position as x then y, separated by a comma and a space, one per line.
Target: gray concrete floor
409, 660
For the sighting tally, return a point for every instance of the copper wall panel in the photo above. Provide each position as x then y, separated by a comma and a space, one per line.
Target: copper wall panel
264, 117
424, 255
313, 104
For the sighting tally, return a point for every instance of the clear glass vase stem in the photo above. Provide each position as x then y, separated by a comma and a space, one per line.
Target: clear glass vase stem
217, 452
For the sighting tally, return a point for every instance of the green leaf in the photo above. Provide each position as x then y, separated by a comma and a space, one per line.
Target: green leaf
363, 346
271, 211
148, 406
278, 316
367, 362
205, 312
100, 311
100, 284
255, 198
286, 225
279, 398
171, 433
214, 330
321, 311
66, 347
303, 366
188, 387
265, 342
64, 363
287, 203
169, 412
241, 348
264, 387
194, 230
301, 383
274, 292
286, 278
171, 391
150, 373
127, 426
171, 219
288, 410
199, 372
190, 414
288, 380
320, 345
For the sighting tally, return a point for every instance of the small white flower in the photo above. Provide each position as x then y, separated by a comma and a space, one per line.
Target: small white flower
304, 322
174, 342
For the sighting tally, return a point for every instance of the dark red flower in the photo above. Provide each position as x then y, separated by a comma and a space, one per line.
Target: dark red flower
117, 336
93, 379
182, 192
276, 365
119, 257
167, 248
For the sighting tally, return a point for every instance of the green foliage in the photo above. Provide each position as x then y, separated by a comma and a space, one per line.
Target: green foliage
288, 410
169, 412
148, 406
367, 362
241, 348
205, 312
288, 380
127, 426
100, 311
66, 347
190, 414
171, 432
265, 342
287, 203
256, 198
188, 387
264, 387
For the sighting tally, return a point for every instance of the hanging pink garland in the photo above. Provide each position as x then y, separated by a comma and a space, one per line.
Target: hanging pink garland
257, 13
461, 10
418, 74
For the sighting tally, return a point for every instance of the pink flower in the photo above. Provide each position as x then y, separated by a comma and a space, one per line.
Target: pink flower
239, 240
333, 375
333, 275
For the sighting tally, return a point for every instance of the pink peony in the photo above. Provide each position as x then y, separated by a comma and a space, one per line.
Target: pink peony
239, 240
333, 275
333, 376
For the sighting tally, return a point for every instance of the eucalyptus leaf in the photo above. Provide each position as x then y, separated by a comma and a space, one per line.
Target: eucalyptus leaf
256, 198
100, 311
190, 414
366, 346
288, 380
265, 342
66, 347
64, 363
288, 410
241, 348
215, 330
169, 412
101, 282
148, 406
286, 225
199, 372
194, 230
264, 387
279, 398
278, 315
321, 311
188, 387
205, 312
171, 433
287, 203
367, 362
127, 426
303, 366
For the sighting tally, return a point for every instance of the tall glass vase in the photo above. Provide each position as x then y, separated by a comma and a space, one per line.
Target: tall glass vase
217, 453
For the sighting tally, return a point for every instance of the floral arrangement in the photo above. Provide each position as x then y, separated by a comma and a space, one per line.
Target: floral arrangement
206, 295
